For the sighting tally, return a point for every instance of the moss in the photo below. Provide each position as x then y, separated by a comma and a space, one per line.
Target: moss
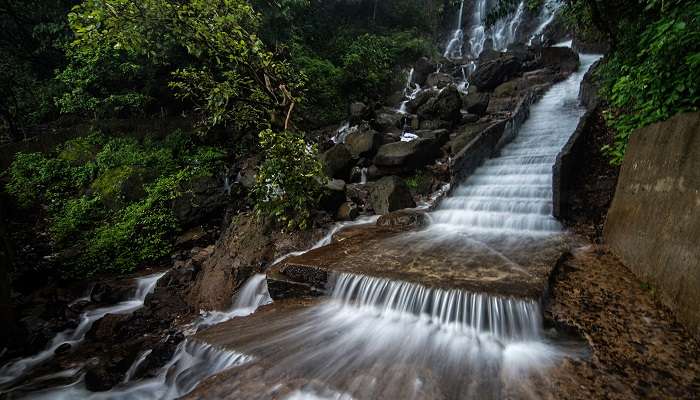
81, 150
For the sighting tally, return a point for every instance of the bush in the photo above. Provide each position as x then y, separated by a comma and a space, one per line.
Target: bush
109, 200
289, 183
655, 77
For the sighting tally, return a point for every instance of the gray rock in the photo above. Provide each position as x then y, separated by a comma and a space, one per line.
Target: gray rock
494, 70
337, 161
359, 111
390, 194
439, 80
198, 198
406, 156
441, 136
364, 144
445, 106
387, 121
422, 69
475, 103
432, 124
404, 219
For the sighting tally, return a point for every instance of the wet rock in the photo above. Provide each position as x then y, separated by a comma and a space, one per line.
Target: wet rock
404, 219
466, 135
359, 112
389, 194
413, 105
495, 69
248, 172
588, 94
247, 245
406, 156
468, 118
364, 144
387, 121
445, 106
106, 327
199, 198
562, 59
101, 378
64, 348
111, 292
347, 211
439, 80
333, 196
441, 136
358, 193
337, 161
475, 102
434, 124
422, 69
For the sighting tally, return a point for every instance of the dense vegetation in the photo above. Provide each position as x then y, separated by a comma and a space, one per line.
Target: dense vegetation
252, 77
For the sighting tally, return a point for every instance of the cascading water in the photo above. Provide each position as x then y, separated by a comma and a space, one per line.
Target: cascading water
16, 369
505, 30
546, 16
454, 45
512, 193
191, 363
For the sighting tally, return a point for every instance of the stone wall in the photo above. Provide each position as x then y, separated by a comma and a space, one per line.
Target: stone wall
488, 142
654, 221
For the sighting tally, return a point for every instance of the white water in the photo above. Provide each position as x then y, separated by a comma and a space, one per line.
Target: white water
16, 369
546, 16
454, 45
192, 362
512, 193
505, 31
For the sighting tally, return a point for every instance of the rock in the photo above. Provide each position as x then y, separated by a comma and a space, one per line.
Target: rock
123, 184
404, 219
413, 105
197, 199
431, 124
588, 94
247, 245
337, 161
64, 348
359, 112
439, 80
112, 292
106, 327
347, 211
333, 196
511, 88
469, 118
358, 194
99, 378
406, 156
389, 194
562, 59
466, 135
364, 144
387, 121
441, 136
444, 106
494, 70
190, 237
422, 69
475, 102
248, 172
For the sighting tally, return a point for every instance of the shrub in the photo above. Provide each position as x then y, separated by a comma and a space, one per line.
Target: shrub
289, 183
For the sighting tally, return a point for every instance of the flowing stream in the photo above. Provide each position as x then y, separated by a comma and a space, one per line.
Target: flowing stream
16, 369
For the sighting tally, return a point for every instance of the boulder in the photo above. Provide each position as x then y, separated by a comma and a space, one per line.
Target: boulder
404, 219
390, 194
422, 69
358, 193
590, 85
198, 198
337, 161
468, 118
439, 80
347, 211
432, 124
494, 70
364, 144
441, 136
406, 156
387, 121
413, 105
475, 102
359, 112
333, 196
562, 59
445, 106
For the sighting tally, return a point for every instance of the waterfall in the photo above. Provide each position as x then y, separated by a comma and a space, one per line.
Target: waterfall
506, 29
546, 16
461, 312
454, 45
252, 295
15, 369
512, 193
478, 29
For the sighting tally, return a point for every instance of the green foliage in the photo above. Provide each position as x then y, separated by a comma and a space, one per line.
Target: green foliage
289, 183
656, 76
208, 50
109, 199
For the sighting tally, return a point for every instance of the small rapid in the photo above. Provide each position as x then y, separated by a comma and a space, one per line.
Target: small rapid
18, 368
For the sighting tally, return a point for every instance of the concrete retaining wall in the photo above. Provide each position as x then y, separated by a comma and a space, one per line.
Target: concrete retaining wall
654, 221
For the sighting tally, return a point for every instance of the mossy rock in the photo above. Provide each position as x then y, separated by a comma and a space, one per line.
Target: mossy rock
122, 185
80, 150
467, 134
